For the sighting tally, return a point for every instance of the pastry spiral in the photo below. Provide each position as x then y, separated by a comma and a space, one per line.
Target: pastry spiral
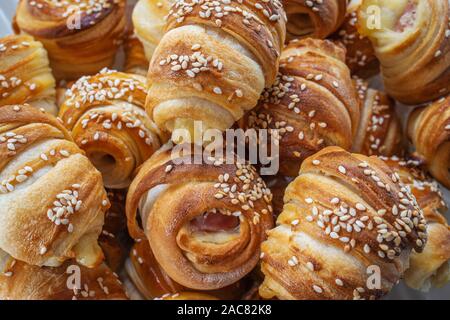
429, 131
432, 266
81, 36
149, 21
25, 75
313, 18
312, 104
105, 114
213, 62
380, 130
207, 236
20, 281
360, 56
345, 217
50, 194
412, 42
277, 185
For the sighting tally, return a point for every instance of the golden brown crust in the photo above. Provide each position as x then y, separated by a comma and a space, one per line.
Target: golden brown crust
344, 214
114, 240
379, 130
429, 131
431, 267
260, 29
25, 75
135, 60
81, 37
212, 67
51, 195
105, 114
235, 189
413, 46
189, 296
360, 56
19, 281
313, 103
313, 18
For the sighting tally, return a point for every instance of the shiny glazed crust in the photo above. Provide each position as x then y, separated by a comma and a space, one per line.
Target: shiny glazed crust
182, 254
344, 214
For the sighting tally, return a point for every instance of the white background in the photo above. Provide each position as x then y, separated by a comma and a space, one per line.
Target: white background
7, 8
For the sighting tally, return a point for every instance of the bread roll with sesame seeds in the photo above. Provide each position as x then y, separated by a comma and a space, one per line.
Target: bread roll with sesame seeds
20, 281
431, 268
135, 60
106, 117
81, 37
52, 200
25, 74
347, 230
149, 22
360, 56
412, 41
379, 130
207, 236
429, 131
213, 63
312, 104
313, 18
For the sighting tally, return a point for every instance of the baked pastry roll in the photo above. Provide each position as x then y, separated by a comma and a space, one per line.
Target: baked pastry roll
213, 63
347, 229
207, 236
50, 194
312, 104
20, 281
81, 37
153, 282
106, 117
25, 75
429, 131
360, 56
149, 21
277, 185
313, 18
379, 131
412, 42
188, 296
431, 268
135, 60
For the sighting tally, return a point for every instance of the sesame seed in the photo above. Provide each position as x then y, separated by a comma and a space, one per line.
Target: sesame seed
317, 289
